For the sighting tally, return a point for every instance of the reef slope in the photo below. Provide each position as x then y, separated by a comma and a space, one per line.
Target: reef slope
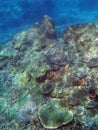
42, 74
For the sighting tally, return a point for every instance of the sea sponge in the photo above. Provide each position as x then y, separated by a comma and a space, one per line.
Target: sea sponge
53, 115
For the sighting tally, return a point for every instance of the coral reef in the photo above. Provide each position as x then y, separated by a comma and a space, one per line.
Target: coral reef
48, 82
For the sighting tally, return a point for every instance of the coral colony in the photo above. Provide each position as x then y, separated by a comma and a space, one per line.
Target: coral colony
48, 82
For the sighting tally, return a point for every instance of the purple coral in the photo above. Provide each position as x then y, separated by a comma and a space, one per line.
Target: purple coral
56, 61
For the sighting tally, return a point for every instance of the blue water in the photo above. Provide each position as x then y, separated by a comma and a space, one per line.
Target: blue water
16, 15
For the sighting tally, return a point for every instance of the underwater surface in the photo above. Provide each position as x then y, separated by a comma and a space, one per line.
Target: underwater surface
16, 15
48, 65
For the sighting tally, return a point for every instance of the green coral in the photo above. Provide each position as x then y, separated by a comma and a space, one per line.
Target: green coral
53, 115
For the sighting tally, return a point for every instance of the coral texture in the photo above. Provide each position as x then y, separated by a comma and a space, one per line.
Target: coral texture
37, 68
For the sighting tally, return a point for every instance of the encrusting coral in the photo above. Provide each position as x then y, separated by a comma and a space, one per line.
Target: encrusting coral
53, 115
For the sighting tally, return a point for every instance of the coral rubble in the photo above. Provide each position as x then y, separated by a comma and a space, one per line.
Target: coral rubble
48, 82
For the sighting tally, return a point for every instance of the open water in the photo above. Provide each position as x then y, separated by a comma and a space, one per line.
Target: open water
16, 15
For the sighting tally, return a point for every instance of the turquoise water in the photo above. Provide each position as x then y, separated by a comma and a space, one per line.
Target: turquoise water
16, 15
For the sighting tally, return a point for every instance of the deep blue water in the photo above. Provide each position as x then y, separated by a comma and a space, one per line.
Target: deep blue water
16, 15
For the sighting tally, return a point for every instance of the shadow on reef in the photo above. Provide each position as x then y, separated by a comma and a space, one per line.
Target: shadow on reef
48, 82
